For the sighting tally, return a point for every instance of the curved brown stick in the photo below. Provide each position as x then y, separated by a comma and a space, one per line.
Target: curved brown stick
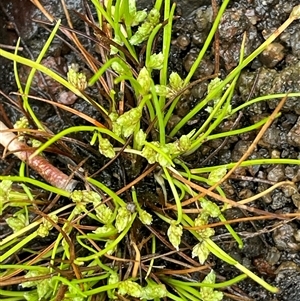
38, 163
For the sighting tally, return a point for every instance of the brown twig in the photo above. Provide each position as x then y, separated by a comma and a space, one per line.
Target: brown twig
38, 163
288, 217
203, 191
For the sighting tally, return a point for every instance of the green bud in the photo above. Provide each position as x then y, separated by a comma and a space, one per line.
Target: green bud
129, 120
44, 287
208, 293
146, 28
156, 61
153, 16
111, 250
154, 291
36, 143
46, 226
183, 144
22, 123
149, 153
17, 222
141, 35
77, 79
200, 221
139, 17
162, 160
113, 278
31, 296
5, 188
162, 90
152, 156
118, 68
140, 139
106, 148
85, 196
201, 250
210, 208
176, 82
145, 217
213, 85
165, 160
132, 7
121, 69
174, 233
32, 274
107, 229
216, 175
113, 116
130, 288
74, 292
172, 148
144, 80
123, 218
117, 129
104, 213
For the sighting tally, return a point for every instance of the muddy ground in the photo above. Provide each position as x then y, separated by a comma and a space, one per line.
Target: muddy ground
271, 248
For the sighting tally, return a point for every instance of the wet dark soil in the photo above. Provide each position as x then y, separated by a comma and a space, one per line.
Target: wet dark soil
271, 247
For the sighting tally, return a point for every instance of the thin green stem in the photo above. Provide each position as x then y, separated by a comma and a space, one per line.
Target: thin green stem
18, 246
227, 283
175, 194
153, 251
150, 44
185, 293
160, 118
257, 279
262, 98
75, 129
11, 294
239, 131
247, 163
26, 105
175, 298
102, 288
37, 184
207, 42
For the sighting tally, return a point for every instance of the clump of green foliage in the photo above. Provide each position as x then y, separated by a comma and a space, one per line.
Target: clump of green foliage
78, 265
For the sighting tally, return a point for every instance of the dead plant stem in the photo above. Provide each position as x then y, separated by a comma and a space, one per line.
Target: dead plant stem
38, 163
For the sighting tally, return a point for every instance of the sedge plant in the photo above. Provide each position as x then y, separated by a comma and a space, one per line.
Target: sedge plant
79, 263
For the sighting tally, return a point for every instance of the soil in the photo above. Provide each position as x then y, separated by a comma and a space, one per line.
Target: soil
271, 247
